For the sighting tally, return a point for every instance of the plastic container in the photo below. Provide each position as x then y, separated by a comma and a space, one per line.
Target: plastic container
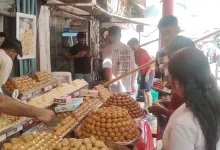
155, 96
63, 77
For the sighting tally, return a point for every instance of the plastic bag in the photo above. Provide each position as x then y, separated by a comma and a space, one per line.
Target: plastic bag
145, 142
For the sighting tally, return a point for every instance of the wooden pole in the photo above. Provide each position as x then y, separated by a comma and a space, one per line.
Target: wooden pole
207, 36
151, 62
128, 73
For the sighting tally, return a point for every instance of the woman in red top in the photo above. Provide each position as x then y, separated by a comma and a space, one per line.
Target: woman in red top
147, 74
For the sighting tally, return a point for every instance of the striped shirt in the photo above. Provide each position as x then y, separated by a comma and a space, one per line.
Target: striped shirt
161, 66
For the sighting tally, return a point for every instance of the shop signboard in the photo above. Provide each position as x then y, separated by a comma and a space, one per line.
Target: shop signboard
7, 7
26, 33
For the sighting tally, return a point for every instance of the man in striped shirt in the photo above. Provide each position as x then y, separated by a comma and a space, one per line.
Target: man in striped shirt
169, 29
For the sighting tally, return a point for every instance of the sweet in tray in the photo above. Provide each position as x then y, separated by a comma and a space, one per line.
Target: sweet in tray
127, 102
7, 120
64, 126
104, 93
161, 86
23, 84
80, 144
43, 77
35, 141
109, 123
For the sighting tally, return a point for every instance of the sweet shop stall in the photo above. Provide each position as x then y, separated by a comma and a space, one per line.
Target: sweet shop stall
85, 118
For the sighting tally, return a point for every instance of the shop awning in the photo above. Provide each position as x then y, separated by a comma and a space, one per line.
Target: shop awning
87, 10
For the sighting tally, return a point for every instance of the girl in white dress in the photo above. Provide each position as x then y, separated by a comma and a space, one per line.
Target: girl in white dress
196, 124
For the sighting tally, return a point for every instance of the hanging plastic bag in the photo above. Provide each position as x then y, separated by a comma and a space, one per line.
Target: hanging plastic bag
145, 142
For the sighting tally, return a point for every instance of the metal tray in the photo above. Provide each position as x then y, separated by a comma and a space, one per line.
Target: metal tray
13, 126
120, 143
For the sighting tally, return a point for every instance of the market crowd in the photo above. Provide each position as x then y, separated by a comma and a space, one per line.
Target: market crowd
189, 117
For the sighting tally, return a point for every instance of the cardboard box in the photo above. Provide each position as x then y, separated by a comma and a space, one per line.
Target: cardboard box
63, 77
90, 93
76, 102
62, 100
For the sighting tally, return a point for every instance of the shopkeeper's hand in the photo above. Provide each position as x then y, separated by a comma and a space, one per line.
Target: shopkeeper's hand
45, 115
81, 54
88, 53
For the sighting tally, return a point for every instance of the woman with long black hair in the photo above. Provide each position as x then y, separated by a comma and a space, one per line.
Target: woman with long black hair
195, 125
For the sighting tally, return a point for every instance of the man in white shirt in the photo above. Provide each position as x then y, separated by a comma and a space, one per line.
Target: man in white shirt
118, 59
9, 50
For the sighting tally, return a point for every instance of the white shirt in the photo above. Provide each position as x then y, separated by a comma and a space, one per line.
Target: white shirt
5, 67
183, 132
120, 58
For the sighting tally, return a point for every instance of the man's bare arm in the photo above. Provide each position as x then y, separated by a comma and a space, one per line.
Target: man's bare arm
15, 108
89, 53
72, 57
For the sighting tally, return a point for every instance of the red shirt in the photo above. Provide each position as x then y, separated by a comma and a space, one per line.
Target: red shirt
175, 102
142, 57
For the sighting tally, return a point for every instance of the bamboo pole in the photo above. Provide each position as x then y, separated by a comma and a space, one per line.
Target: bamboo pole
149, 42
67, 15
69, 11
128, 73
152, 61
207, 36
75, 11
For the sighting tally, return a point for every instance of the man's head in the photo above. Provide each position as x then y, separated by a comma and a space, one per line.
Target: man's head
134, 44
114, 34
12, 47
179, 42
81, 38
168, 27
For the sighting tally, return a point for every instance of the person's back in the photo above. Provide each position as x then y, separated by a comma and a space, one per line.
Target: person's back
122, 59
118, 59
186, 127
